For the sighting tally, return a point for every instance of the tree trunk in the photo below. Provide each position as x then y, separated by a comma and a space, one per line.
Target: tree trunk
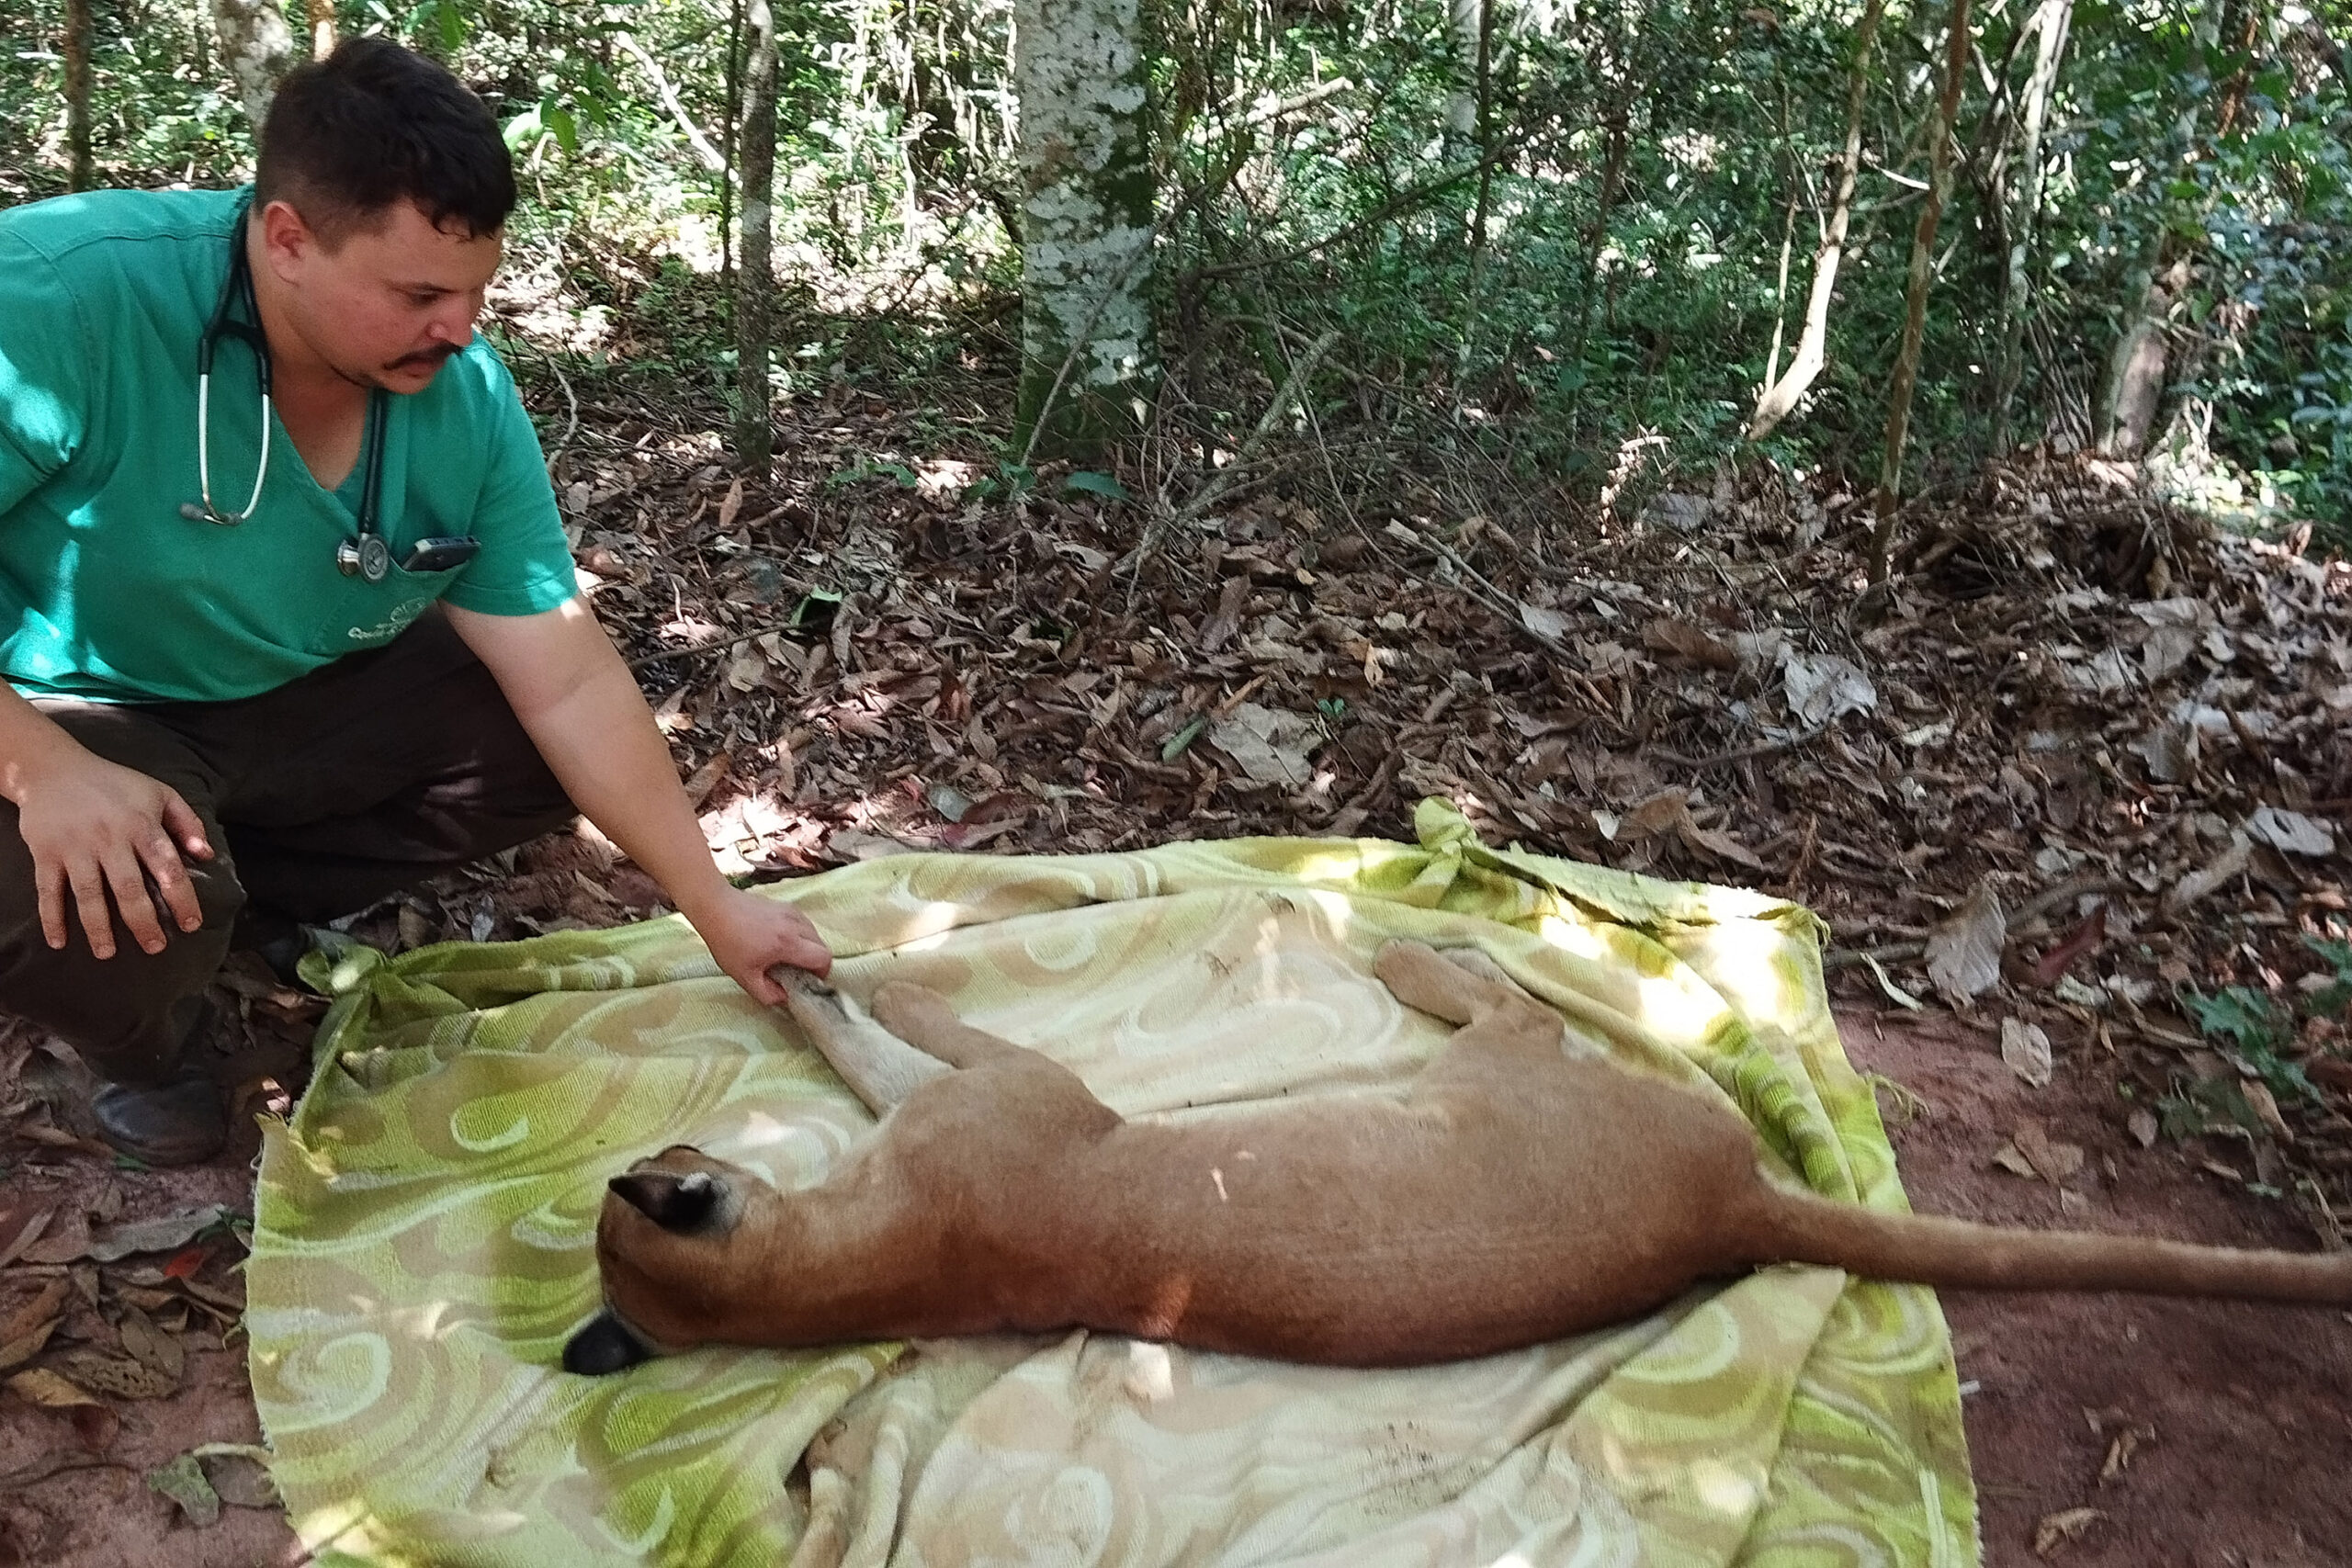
1915, 304
1089, 361
1781, 396
257, 47
2134, 379
1612, 183
1482, 124
2050, 23
755, 278
321, 29
730, 147
77, 93
1465, 22
2133, 383
2242, 30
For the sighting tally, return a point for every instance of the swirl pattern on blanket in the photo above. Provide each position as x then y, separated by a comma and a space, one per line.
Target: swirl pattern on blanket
424, 1234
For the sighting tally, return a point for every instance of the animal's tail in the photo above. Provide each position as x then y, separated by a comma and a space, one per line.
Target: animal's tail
1962, 1255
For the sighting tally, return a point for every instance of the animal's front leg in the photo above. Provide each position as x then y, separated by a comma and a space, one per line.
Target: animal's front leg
880, 1068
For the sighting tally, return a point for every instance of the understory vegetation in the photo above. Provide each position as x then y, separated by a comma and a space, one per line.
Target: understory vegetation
1563, 246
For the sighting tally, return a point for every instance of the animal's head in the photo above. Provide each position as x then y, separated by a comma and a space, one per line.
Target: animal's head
661, 1247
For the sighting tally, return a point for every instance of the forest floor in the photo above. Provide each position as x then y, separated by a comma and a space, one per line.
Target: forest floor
2073, 803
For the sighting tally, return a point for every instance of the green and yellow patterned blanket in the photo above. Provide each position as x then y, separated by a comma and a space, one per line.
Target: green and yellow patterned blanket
424, 1242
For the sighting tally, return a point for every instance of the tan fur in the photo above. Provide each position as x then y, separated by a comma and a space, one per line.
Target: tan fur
1515, 1193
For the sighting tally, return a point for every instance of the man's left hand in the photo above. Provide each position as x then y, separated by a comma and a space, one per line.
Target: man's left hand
748, 934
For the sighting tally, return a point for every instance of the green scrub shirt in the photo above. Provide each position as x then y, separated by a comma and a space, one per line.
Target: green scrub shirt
107, 592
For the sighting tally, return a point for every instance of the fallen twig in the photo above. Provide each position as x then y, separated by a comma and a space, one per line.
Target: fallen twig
716, 645
1208, 494
1894, 953
50, 1464
1738, 754
1477, 585
2050, 898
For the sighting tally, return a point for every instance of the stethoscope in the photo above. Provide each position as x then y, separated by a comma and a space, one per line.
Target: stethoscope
366, 557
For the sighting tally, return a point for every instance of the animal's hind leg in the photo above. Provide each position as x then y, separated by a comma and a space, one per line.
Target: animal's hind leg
921, 1015
1459, 988
1040, 1092
880, 1068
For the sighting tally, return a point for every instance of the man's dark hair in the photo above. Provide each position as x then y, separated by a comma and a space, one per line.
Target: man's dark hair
374, 124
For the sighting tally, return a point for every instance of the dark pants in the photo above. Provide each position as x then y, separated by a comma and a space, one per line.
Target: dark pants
319, 798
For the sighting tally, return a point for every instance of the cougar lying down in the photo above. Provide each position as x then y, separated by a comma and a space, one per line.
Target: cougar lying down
1516, 1192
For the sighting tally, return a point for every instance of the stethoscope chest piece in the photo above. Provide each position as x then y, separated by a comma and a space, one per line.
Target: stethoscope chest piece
365, 557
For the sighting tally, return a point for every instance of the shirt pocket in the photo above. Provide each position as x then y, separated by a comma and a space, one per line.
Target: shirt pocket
390, 607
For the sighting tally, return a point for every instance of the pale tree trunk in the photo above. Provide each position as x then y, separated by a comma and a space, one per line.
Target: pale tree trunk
2050, 23
1781, 396
755, 278
321, 29
2134, 377
1915, 304
259, 49
77, 94
1465, 20
2134, 384
1482, 123
2134, 380
1089, 361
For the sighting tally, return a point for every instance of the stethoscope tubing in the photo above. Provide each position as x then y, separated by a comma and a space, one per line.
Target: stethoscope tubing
209, 513
367, 556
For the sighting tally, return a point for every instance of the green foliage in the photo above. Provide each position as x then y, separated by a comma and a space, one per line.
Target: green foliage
2333, 999
2255, 1031
2246, 1027
1087, 481
1602, 262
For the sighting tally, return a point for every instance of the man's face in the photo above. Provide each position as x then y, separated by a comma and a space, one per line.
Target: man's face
389, 305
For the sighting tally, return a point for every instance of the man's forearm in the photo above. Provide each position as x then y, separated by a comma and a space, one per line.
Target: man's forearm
30, 741
599, 740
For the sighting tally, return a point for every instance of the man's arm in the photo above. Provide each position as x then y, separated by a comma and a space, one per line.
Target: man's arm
581, 708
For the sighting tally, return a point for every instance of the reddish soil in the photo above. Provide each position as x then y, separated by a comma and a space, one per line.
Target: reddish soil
2235, 1420
101, 1513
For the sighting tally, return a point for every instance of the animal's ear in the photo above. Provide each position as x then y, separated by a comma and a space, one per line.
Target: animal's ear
603, 1345
673, 1200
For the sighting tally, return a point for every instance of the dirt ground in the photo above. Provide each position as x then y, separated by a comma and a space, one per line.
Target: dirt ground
2190, 1433
2204, 1433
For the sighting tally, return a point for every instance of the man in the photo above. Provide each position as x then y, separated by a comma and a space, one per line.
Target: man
286, 637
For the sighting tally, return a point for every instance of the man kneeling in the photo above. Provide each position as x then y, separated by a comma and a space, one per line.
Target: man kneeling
287, 618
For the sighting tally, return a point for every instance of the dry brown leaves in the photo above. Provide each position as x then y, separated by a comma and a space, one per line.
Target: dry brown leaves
96, 1308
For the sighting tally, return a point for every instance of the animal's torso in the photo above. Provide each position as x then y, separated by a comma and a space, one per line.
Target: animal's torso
1467, 1213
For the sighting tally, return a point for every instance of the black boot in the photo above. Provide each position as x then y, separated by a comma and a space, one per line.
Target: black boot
178, 1122
278, 939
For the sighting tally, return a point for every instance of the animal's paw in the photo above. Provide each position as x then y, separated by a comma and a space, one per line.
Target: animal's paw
798, 982
1456, 985
1478, 962
1417, 976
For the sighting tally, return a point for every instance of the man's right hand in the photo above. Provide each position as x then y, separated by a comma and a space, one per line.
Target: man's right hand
94, 825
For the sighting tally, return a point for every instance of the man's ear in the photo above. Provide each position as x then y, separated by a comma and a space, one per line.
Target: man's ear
674, 1201
287, 236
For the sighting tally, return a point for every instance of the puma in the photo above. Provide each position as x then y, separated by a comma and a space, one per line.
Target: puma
1517, 1191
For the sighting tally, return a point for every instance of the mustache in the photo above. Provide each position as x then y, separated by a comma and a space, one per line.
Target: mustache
435, 357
